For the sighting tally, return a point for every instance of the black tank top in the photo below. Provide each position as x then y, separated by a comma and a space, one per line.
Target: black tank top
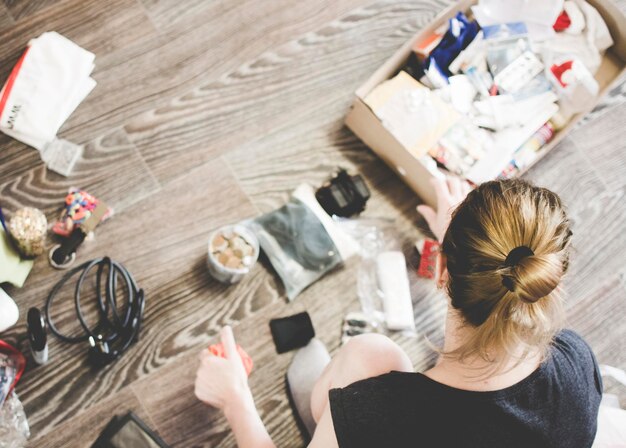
555, 406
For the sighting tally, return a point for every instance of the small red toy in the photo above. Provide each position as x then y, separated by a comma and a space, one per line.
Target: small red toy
218, 350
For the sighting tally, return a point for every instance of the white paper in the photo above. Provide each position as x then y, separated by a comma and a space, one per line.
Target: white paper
53, 79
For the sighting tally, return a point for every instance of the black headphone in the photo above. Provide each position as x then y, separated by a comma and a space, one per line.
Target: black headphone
113, 335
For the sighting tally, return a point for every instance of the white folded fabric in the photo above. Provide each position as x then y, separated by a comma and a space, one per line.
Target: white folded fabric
44, 88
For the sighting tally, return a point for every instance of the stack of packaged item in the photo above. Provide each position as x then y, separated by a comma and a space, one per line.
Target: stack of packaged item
484, 94
47, 84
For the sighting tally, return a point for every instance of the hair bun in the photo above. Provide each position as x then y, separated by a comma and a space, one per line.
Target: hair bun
533, 276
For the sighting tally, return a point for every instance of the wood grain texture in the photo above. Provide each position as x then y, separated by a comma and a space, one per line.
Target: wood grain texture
20, 9
210, 112
92, 422
291, 81
100, 27
5, 18
600, 316
110, 168
602, 144
195, 49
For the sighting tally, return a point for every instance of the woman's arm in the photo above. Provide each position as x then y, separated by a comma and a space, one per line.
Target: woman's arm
247, 426
223, 383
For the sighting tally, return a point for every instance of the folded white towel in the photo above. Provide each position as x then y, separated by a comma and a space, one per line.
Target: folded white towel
44, 88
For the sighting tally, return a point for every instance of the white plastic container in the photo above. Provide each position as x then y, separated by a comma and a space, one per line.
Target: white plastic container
222, 273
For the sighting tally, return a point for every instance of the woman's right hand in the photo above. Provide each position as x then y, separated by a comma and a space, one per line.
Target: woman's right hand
450, 193
222, 382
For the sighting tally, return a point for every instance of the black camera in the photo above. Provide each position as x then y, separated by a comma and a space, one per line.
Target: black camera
343, 195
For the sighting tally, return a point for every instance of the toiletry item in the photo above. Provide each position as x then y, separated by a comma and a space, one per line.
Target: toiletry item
394, 284
28, 228
429, 250
37, 335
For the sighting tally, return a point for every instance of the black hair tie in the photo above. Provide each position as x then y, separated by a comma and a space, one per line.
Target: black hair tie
512, 259
518, 254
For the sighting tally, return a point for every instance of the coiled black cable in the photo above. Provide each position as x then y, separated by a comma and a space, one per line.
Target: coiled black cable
121, 329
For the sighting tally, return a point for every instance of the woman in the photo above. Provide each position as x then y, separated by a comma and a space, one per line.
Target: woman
507, 375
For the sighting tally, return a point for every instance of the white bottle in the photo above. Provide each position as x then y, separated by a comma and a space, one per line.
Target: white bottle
394, 284
9, 312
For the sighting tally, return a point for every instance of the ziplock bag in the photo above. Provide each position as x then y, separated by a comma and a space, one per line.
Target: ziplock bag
301, 241
377, 238
14, 430
12, 364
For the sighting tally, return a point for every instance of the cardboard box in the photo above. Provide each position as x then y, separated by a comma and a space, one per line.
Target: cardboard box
366, 125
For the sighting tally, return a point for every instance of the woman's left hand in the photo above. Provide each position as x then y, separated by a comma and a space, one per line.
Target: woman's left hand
222, 382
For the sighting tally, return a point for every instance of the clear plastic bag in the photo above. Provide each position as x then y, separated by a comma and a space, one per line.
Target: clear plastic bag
297, 245
301, 241
375, 237
14, 430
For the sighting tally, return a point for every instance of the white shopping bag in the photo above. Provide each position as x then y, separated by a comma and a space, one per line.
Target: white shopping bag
44, 88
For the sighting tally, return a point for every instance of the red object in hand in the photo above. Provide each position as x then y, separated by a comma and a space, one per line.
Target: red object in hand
562, 22
428, 250
218, 350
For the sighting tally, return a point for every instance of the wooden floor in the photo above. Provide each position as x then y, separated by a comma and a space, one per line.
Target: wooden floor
211, 111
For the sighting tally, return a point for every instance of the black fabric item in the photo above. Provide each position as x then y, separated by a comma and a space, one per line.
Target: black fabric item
292, 332
555, 406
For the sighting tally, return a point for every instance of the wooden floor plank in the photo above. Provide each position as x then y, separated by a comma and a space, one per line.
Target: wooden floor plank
109, 168
602, 143
21, 9
17, 158
100, 27
6, 20
600, 316
217, 38
277, 86
83, 430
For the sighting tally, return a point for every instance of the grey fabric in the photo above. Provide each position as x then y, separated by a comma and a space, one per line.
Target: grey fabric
555, 406
305, 369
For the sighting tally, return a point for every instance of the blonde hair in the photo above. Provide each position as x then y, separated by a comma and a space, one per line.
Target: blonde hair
507, 250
